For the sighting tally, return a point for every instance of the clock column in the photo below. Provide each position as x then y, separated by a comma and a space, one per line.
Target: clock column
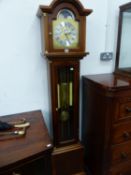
63, 29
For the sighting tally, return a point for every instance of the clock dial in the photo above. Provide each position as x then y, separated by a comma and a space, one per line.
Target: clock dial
65, 33
65, 30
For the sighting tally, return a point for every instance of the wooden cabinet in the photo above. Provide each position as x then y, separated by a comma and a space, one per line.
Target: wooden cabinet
35, 167
106, 124
29, 154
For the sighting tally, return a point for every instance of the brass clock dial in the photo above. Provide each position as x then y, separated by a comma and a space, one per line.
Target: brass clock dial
65, 30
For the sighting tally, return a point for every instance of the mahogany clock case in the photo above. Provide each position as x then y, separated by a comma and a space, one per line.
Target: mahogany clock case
48, 14
64, 63
64, 66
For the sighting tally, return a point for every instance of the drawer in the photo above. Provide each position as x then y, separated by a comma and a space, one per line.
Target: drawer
36, 167
121, 132
121, 153
121, 169
123, 108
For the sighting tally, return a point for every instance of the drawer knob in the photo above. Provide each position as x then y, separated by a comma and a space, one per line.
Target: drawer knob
126, 135
128, 109
15, 173
123, 155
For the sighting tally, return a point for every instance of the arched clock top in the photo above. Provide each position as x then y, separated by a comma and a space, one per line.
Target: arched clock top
56, 3
63, 29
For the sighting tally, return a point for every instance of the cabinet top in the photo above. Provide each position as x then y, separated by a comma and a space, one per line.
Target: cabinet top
109, 81
35, 143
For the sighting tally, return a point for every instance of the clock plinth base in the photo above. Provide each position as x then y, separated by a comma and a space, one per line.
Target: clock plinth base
68, 160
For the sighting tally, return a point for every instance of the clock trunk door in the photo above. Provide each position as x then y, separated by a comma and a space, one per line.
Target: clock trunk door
65, 91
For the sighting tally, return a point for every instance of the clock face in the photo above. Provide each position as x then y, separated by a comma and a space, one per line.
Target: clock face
65, 31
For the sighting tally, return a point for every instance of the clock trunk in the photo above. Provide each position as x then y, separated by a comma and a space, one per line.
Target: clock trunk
65, 101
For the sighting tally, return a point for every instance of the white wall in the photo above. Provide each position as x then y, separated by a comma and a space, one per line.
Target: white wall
23, 72
96, 38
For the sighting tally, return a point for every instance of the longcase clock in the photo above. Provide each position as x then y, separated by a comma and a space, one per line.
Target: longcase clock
63, 29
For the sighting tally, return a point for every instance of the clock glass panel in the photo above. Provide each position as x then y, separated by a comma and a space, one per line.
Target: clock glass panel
65, 30
65, 101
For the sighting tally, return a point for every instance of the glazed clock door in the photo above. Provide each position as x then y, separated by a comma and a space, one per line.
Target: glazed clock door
65, 92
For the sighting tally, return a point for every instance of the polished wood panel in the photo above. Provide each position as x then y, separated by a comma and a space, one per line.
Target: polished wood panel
106, 123
68, 160
121, 169
21, 151
121, 152
125, 110
121, 132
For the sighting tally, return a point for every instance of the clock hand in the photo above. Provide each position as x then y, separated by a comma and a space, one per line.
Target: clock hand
62, 24
65, 27
67, 32
67, 37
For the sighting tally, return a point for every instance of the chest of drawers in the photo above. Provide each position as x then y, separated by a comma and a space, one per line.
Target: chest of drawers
106, 124
29, 154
